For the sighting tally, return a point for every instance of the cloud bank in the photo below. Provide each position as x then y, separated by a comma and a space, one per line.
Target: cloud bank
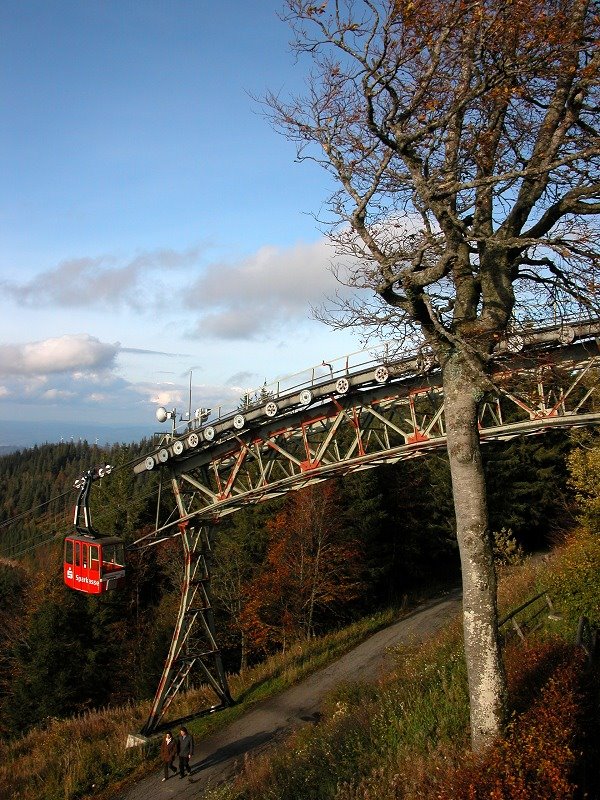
253, 297
60, 354
267, 295
78, 372
102, 281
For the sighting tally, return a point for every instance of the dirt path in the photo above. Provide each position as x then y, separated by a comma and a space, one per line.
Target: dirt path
217, 757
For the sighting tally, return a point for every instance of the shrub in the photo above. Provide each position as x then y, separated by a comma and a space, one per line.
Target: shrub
536, 758
584, 477
507, 551
574, 579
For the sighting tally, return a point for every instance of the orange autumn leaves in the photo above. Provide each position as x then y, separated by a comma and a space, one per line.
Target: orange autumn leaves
311, 567
538, 755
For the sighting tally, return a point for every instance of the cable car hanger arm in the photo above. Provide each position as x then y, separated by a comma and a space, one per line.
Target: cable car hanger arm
83, 517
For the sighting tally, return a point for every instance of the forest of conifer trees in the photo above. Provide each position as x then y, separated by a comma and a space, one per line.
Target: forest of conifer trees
285, 570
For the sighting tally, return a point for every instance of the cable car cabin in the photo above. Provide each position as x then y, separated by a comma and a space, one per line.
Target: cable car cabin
94, 566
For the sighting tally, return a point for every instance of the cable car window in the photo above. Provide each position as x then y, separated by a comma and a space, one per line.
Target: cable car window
113, 554
69, 551
94, 557
77, 554
84, 559
108, 554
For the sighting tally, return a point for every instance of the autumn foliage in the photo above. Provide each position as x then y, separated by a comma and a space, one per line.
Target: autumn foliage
584, 468
538, 755
311, 566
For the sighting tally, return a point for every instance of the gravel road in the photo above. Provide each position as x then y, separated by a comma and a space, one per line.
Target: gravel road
268, 722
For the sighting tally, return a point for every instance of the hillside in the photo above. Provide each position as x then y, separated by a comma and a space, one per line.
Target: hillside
388, 533
218, 757
376, 741
408, 736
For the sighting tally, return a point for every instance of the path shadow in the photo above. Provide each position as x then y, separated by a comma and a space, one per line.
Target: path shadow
234, 749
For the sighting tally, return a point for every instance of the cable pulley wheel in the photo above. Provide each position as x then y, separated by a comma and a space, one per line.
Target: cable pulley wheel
209, 433
566, 335
382, 374
239, 421
271, 409
342, 385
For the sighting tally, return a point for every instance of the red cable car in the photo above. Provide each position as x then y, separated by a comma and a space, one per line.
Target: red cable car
93, 563
94, 566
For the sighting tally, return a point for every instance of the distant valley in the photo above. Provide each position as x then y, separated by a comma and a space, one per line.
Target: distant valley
19, 435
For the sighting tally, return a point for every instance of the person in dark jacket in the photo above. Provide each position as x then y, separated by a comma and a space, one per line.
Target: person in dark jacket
168, 751
185, 750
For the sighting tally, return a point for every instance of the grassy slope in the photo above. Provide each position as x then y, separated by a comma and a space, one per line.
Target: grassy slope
408, 737
39, 766
383, 741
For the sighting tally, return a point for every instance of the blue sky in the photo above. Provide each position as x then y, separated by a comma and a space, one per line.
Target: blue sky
151, 221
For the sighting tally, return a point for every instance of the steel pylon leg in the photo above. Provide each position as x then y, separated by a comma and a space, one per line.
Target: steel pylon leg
187, 651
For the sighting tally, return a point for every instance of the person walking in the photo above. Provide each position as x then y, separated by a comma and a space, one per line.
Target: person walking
168, 751
185, 750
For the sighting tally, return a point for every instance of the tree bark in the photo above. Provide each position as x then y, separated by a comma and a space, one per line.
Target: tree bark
487, 681
244, 651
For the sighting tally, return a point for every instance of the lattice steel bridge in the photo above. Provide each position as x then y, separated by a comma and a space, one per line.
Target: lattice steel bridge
340, 417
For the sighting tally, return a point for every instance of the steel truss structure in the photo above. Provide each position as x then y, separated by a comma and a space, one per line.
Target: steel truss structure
381, 414
194, 640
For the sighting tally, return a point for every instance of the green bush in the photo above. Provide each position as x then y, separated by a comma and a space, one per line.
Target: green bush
574, 582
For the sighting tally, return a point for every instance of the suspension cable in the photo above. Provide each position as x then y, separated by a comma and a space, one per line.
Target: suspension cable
11, 520
17, 517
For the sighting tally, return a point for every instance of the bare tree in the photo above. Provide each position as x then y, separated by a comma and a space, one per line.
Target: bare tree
463, 138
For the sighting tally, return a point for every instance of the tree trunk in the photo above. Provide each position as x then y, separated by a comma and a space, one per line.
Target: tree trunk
244, 651
487, 681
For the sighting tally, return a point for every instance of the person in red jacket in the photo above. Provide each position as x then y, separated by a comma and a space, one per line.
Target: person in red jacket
168, 751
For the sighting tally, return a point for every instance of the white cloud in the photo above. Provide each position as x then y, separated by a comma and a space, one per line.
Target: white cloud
98, 397
57, 394
213, 396
264, 296
250, 298
167, 397
75, 374
57, 355
103, 281
32, 385
65, 373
